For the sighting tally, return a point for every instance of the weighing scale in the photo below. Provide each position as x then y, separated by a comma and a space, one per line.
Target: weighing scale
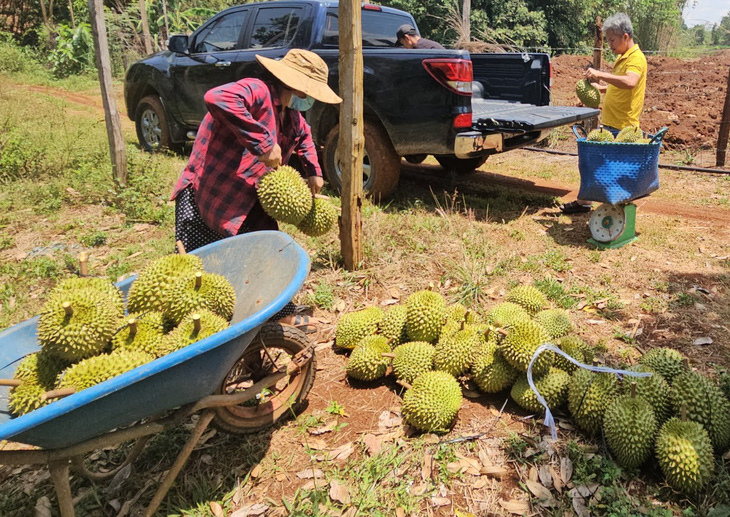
613, 226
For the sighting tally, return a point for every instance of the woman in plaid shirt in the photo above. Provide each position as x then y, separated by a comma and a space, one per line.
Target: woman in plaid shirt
251, 125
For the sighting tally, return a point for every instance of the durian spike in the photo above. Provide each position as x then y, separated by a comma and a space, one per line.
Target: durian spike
198, 280
180, 248
404, 384
196, 323
389, 356
83, 264
132, 322
633, 390
10, 382
58, 394
67, 308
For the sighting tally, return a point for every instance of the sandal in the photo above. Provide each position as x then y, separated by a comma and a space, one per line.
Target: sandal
302, 322
575, 208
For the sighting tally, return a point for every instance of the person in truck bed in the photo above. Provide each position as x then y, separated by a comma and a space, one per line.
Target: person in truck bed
251, 125
624, 87
407, 37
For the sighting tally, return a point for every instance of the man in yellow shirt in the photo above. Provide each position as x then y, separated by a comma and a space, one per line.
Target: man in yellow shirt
624, 87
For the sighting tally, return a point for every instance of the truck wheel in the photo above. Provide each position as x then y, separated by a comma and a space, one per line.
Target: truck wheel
461, 165
381, 164
271, 350
150, 119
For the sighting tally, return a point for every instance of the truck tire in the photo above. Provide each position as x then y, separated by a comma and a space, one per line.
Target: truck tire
150, 120
381, 164
461, 165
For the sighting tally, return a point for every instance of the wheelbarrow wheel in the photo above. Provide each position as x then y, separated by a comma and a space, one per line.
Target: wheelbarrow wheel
270, 351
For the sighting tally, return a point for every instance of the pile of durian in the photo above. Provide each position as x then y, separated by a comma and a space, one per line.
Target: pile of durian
628, 135
677, 415
285, 196
86, 338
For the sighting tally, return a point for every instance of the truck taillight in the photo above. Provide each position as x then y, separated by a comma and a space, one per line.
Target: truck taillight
462, 120
454, 74
371, 7
550, 63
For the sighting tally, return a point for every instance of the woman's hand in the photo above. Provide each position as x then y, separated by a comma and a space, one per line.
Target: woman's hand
315, 184
272, 158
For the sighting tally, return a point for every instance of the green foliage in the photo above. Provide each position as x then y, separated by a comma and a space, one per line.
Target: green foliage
94, 239
74, 52
13, 57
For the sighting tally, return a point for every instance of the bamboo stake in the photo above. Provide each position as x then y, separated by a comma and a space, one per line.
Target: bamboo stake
58, 394
13, 383
722, 137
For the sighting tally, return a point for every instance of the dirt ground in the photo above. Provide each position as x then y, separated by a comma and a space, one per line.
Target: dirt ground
686, 95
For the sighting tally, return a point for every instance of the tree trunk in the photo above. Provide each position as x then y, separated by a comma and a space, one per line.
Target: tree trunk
724, 132
167, 26
466, 21
145, 27
71, 13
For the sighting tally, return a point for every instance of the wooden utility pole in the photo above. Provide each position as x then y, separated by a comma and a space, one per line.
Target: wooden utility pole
592, 124
351, 143
722, 137
466, 21
146, 36
111, 115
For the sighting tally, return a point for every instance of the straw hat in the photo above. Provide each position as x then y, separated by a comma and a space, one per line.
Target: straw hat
304, 71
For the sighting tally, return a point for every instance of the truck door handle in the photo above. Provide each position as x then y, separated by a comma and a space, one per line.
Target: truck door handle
223, 64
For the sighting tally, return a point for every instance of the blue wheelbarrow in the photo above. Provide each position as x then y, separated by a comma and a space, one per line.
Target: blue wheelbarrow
242, 379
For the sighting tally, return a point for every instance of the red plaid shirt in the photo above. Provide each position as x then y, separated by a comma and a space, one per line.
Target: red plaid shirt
241, 125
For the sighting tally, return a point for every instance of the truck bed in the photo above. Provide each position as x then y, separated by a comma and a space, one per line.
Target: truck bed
499, 115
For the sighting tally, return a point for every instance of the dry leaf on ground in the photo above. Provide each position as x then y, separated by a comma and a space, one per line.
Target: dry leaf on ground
514, 506
310, 473
440, 501
426, 467
539, 491
566, 470
339, 492
373, 444
256, 471
216, 508
251, 510
494, 471
388, 419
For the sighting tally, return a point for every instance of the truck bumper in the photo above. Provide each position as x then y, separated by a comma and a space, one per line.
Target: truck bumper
471, 144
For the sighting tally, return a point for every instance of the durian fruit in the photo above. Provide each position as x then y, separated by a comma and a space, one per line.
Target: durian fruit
196, 291
520, 343
555, 321
589, 395
630, 427
553, 386
37, 373
102, 285
654, 389
140, 332
528, 297
600, 135
284, 195
97, 369
705, 405
74, 325
630, 134
433, 401
27, 397
643, 141
456, 353
194, 327
667, 362
490, 371
684, 452
588, 94
151, 288
320, 219
354, 326
724, 384
393, 325
505, 313
425, 317
412, 359
366, 361
576, 348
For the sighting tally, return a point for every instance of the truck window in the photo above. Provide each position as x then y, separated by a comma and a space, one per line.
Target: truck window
378, 28
275, 26
220, 35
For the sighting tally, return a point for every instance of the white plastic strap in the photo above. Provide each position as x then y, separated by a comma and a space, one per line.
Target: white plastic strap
549, 420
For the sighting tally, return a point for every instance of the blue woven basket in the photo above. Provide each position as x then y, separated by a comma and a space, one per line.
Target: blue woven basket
612, 172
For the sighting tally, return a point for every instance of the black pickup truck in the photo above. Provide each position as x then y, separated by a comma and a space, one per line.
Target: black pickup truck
456, 106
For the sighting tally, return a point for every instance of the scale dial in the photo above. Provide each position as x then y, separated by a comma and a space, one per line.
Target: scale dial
607, 223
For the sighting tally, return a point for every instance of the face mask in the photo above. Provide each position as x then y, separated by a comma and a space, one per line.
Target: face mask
299, 104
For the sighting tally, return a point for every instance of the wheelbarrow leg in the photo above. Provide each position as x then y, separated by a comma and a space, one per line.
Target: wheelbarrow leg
59, 474
205, 418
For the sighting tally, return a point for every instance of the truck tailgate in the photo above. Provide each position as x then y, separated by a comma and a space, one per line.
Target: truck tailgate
496, 115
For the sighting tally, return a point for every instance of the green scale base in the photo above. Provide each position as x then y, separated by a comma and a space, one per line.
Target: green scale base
613, 226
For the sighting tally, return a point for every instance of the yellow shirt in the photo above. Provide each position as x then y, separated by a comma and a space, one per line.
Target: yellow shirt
622, 107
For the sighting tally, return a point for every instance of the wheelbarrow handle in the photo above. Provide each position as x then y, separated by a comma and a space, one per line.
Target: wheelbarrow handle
659, 135
576, 127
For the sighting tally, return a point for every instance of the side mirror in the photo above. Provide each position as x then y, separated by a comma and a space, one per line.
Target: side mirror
178, 43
